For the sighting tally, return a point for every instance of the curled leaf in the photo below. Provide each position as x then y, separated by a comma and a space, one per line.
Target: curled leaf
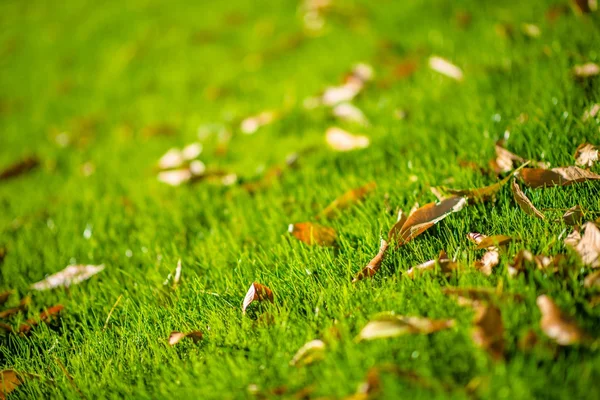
313, 234
257, 292
488, 331
347, 199
586, 155
446, 265
373, 265
390, 325
71, 275
588, 246
524, 203
175, 337
309, 353
446, 68
562, 176
557, 326
19, 168
45, 316
340, 140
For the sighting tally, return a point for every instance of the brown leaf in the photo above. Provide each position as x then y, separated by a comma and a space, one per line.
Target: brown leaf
588, 246
23, 305
506, 161
492, 257
388, 325
313, 234
446, 68
45, 316
586, 155
71, 275
19, 168
488, 332
479, 195
9, 381
5, 295
524, 203
175, 337
557, 326
573, 216
257, 292
424, 218
587, 70
309, 353
592, 280
494, 240
446, 266
340, 140
373, 265
347, 199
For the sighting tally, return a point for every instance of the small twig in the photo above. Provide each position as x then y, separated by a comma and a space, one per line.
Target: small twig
69, 377
111, 311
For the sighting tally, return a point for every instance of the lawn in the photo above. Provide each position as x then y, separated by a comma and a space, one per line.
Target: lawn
96, 93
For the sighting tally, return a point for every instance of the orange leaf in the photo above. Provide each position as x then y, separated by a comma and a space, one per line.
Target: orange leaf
45, 316
313, 234
374, 265
257, 292
9, 381
446, 265
524, 203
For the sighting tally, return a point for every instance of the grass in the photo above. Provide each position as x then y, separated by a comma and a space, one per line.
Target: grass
105, 75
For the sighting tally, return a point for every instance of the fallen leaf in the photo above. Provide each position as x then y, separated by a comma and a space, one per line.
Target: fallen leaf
491, 258
251, 124
573, 216
488, 332
19, 168
494, 240
350, 113
23, 305
479, 195
347, 199
9, 381
313, 234
424, 218
340, 140
71, 275
446, 265
591, 112
573, 238
588, 246
373, 265
5, 295
257, 292
389, 325
587, 70
592, 280
506, 161
555, 325
175, 177
175, 337
479, 294
540, 178
45, 316
309, 353
586, 155
338, 94
446, 68
524, 203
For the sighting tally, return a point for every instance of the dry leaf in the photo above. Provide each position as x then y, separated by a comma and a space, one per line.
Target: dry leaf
175, 158
573, 238
9, 381
524, 203
373, 265
588, 246
591, 112
389, 325
586, 70
338, 94
446, 265
479, 195
45, 316
175, 337
257, 292
488, 332
586, 155
347, 199
494, 240
23, 305
19, 168
350, 113
5, 295
506, 161
313, 234
424, 218
175, 177
592, 280
445, 67
340, 140
71, 275
491, 258
309, 353
557, 326
252, 124
573, 216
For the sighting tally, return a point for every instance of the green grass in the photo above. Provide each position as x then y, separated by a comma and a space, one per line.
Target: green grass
104, 73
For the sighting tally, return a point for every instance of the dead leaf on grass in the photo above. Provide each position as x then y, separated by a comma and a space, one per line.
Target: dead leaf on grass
347, 199
350, 113
313, 234
557, 326
45, 316
562, 176
488, 332
71, 275
373, 265
309, 353
524, 203
176, 337
479, 195
494, 240
592, 280
340, 140
587, 70
251, 124
588, 246
586, 155
574, 216
446, 266
446, 68
19, 168
492, 257
175, 158
257, 292
9, 381
22, 307
506, 161
466, 296
388, 325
